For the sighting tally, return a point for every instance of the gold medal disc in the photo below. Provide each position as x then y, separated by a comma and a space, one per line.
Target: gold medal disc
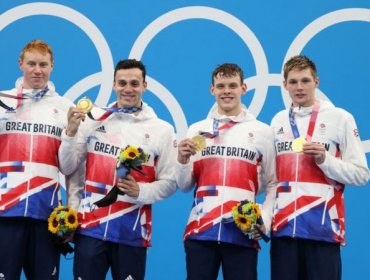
297, 144
85, 105
200, 142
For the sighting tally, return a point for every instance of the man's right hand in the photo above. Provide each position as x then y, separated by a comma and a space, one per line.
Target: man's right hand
74, 116
185, 149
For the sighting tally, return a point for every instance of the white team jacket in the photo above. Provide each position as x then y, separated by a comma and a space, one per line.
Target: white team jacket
94, 152
30, 138
236, 165
310, 197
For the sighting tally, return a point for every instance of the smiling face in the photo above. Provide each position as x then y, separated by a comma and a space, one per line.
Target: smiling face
301, 85
36, 67
129, 86
228, 91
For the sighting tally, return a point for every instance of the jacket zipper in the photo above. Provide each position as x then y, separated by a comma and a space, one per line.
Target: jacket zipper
295, 194
221, 198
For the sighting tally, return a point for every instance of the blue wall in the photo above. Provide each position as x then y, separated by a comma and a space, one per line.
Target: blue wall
181, 42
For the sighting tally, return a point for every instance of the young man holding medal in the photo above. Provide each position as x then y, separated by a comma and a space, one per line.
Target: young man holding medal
115, 232
318, 151
32, 118
228, 157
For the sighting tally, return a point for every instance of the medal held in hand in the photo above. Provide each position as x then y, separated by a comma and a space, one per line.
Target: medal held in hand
297, 144
200, 142
85, 105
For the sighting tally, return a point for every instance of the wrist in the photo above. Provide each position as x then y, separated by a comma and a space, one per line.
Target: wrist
70, 132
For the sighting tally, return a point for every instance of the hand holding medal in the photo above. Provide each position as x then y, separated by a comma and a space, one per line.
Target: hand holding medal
200, 142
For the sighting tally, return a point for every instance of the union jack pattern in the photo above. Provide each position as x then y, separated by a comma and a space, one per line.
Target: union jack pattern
122, 218
305, 196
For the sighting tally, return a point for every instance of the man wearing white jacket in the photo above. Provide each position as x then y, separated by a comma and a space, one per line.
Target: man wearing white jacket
117, 236
32, 118
318, 152
237, 163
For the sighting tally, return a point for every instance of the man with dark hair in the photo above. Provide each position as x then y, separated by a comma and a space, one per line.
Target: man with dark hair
117, 235
235, 163
318, 151
32, 117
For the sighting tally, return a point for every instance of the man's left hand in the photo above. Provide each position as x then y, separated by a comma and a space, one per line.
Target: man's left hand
129, 186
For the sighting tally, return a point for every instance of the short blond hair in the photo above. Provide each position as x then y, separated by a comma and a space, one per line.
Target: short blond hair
299, 62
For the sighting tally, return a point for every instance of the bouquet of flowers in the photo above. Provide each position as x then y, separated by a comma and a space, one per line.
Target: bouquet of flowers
246, 215
130, 158
63, 222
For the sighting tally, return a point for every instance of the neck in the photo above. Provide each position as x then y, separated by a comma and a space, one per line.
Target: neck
231, 113
303, 105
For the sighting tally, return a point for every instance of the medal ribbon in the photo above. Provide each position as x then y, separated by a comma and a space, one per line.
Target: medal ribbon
216, 128
114, 109
21, 96
311, 125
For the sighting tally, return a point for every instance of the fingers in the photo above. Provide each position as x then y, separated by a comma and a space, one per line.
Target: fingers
129, 186
75, 115
185, 148
316, 150
256, 233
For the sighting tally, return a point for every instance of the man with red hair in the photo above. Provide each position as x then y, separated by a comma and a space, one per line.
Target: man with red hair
32, 117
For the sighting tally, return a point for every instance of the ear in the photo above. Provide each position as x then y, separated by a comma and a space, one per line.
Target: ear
20, 63
244, 87
211, 89
317, 81
285, 83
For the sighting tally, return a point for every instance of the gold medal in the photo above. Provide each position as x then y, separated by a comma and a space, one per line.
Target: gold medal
200, 142
85, 105
297, 144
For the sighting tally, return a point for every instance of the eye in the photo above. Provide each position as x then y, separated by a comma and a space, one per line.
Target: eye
220, 86
135, 83
121, 83
43, 65
292, 82
234, 85
306, 81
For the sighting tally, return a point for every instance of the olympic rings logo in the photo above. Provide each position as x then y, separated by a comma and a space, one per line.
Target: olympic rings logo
260, 83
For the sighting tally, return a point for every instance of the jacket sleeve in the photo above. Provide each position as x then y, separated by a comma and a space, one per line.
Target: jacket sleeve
268, 178
72, 152
184, 176
351, 168
184, 172
72, 162
165, 184
75, 184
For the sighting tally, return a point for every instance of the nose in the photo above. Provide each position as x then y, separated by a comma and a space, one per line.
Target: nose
299, 84
227, 89
37, 68
127, 88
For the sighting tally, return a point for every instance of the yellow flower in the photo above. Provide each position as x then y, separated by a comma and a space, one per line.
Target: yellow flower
246, 214
63, 220
256, 210
242, 223
131, 152
59, 208
53, 224
71, 219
